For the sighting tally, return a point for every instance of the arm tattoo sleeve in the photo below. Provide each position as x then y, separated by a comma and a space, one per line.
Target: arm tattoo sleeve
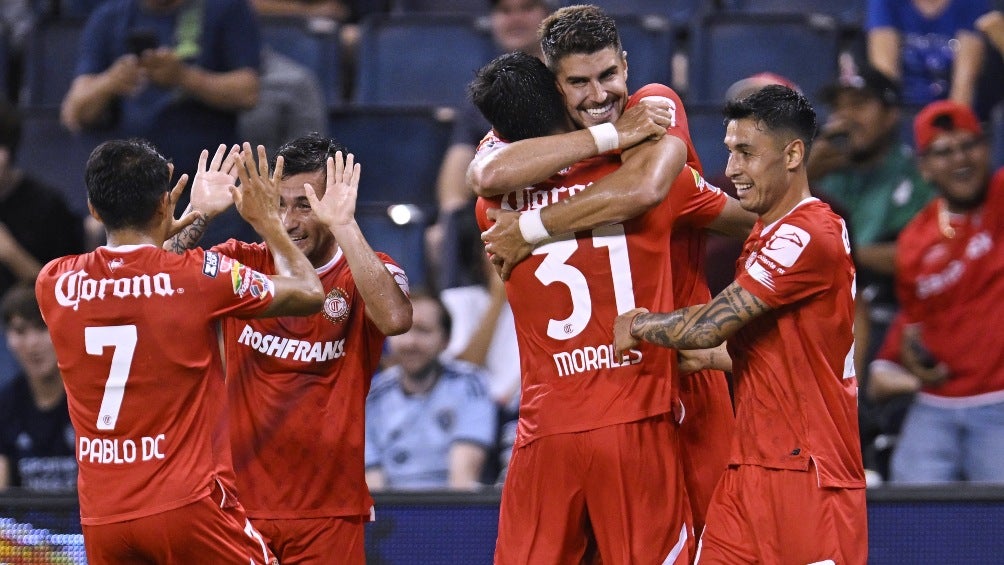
700, 327
188, 237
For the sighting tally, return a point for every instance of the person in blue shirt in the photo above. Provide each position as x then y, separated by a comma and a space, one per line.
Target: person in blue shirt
931, 46
430, 422
174, 72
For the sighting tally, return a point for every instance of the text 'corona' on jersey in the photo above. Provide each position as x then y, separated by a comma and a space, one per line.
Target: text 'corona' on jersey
533, 198
74, 286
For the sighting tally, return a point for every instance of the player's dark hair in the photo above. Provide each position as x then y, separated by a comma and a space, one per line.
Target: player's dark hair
445, 321
126, 180
580, 29
517, 94
307, 154
779, 109
20, 302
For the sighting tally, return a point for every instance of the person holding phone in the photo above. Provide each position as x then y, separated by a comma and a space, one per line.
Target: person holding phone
174, 72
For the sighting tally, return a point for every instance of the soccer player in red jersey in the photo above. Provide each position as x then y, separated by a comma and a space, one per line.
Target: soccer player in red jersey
706, 433
134, 328
794, 489
554, 407
298, 385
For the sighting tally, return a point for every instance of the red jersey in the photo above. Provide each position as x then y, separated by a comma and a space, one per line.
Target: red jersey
134, 331
952, 286
297, 389
566, 295
795, 388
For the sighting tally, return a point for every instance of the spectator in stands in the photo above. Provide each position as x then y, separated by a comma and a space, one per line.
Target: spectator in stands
25, 206
171, 71
36, 437
950, 282
859, 162
290, 103
931, 46
514, 25
430, 422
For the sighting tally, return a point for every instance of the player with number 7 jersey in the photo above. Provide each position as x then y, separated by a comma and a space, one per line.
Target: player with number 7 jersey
134, 329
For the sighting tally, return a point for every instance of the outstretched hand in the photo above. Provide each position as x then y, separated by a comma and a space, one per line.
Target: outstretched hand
212, 182
186, 219
337, 206
257, 198
504, 241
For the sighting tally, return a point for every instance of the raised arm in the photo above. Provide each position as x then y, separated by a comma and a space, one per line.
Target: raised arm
298, 291
641, 183
387, 306
694, 327
90, 95
529, 161
210, 196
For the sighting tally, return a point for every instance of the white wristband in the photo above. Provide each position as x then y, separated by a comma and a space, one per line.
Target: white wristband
532, 227
605, 136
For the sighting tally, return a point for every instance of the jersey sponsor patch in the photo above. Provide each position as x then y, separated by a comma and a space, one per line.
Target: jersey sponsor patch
400, 277
786, 245
336, 306
211, 264
246, 280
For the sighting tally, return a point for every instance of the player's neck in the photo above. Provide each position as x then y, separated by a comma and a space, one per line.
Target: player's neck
119, 238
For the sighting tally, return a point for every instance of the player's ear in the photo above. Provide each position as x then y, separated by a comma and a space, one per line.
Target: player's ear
794, 154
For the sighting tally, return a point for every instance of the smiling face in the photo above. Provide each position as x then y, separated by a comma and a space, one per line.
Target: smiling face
312, 237
958, 163
594, 85
760, 166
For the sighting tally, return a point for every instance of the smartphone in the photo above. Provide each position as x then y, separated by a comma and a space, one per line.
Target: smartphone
140, 40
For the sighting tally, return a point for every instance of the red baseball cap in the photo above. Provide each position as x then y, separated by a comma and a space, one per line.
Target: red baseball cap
942, 116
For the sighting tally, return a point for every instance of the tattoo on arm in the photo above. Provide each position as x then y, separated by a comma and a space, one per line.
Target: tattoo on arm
189, 237
701, 327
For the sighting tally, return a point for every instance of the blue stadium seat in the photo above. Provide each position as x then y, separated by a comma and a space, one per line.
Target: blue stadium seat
997, 136
55, 156
729, 46
467, 7
707, 130
678, 11
847, 12
50, 62
648, 41
313, 43
399, 150
404, 243
419, 59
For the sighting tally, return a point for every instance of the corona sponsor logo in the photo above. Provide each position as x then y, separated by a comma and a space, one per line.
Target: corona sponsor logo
72, 287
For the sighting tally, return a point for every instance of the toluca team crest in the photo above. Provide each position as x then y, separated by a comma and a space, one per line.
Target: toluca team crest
336, 307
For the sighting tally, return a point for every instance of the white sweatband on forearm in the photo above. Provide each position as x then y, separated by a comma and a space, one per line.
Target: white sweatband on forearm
532, 227
605, 136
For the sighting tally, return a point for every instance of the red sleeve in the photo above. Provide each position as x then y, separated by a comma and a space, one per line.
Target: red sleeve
679, 127
796, 262
695, 202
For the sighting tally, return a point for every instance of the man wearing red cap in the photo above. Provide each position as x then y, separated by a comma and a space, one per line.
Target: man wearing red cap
950, 282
